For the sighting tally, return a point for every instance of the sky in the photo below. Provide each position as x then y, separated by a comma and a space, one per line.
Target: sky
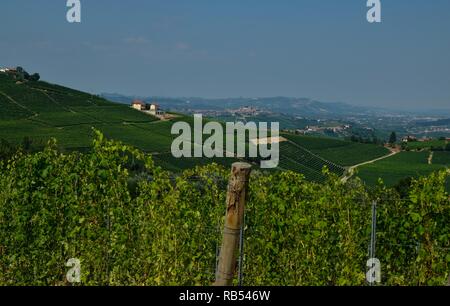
319, 49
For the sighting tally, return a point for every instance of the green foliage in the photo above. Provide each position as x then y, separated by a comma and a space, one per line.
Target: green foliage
56, 206
421, 145
168, 162
402, 165
441, 158
414, 236
41, 111
393, 138
296, 158
22, 75
299, 233
7, 150
10, 110
344, 153
35, 77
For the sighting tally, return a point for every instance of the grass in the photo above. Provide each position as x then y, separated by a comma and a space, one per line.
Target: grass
167, 161
296, 158
405, 164
140, 138
441, 158
420, 145
11, 111
63, 119
344, 153
114, 114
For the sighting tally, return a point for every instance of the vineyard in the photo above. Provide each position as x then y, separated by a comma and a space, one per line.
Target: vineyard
344, 153
45, 110
39, 111
55, 206
441, 158
405, 164
296, 158
421, 145
167, 161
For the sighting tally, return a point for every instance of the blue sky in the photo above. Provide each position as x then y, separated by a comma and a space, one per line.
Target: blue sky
321, 49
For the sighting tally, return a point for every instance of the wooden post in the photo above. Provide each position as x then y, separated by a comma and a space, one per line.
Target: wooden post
236, 196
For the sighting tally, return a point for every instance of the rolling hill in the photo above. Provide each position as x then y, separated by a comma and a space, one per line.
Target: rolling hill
405, 164
39, 111
341, 152
286, 105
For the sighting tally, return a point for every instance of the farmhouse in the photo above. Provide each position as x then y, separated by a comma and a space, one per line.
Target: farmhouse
152, 108
138, 104
409, 138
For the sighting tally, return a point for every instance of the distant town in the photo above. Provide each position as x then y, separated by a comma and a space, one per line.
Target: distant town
305, 116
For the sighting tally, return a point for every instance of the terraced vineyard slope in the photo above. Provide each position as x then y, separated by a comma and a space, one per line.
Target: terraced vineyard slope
402, 165
39, 110
344, 153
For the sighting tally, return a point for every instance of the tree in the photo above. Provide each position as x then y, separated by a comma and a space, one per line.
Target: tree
447, 147
393, 138
35, 77
20, 73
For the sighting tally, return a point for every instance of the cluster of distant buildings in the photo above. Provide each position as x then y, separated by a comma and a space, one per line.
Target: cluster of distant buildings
150, 108
8, 70
317, 129
410, 138
245, 111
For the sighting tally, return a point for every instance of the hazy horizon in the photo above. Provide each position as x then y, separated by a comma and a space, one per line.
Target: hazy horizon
392, 108
322, 50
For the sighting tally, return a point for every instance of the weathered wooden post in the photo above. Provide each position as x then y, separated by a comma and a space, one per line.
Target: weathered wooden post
236, 196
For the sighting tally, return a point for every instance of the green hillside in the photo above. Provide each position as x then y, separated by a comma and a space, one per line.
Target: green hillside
421, 145
38, 111
297, 158
344, 153
405, 164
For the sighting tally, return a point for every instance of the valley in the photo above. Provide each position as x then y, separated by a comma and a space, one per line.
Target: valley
36, 111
